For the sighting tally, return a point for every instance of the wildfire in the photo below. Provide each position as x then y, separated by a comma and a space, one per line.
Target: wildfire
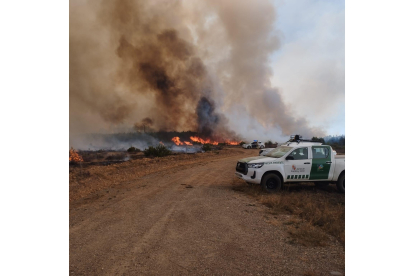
202, 141
74, 156
233, 143
208, 141
177, 141
196, 139
161, 143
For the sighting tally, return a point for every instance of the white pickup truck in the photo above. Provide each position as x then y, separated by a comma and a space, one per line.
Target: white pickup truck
254, 145
294, 162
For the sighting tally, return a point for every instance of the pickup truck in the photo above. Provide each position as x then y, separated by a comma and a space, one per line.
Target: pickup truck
254, 145
264, 151
294, 162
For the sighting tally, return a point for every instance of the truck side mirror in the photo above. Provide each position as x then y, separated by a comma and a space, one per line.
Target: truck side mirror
290, 158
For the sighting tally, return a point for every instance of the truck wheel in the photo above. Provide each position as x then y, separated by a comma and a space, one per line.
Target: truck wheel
321, 184
271, 183
261, 147
249, 147
340, 185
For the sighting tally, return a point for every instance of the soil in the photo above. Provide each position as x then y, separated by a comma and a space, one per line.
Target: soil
180, 215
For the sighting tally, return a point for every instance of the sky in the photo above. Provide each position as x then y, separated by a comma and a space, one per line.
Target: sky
267, 69
311, 60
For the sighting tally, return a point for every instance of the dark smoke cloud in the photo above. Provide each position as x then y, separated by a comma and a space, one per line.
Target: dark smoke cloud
145, 125
180, 63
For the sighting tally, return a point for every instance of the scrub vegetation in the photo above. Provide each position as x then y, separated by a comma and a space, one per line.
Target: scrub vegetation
158, 151
317, 211
206, 147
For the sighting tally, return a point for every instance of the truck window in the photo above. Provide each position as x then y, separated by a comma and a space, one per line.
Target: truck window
278, 152
320, 153
299, 154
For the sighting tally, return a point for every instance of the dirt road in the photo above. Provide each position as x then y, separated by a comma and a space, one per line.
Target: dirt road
187, 221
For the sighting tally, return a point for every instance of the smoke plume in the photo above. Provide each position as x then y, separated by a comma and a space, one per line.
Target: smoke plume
175, 66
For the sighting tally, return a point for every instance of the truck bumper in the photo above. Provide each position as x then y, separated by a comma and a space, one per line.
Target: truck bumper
252, 176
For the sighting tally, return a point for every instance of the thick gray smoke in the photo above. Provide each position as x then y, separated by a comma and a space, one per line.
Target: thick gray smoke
175, 65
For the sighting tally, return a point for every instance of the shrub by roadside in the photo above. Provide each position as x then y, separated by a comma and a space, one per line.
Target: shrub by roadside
206, 147
158, 151
133, 149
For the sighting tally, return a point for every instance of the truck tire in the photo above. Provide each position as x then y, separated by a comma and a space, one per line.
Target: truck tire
340, 184
271, 183
249, 147
321, 184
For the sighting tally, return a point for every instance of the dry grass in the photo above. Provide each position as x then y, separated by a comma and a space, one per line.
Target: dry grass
81, 185
318, 209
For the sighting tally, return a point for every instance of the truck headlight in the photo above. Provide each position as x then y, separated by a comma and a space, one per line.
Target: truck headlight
255, 165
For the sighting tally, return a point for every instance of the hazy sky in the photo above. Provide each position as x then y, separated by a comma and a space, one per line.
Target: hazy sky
268, 68
309, 66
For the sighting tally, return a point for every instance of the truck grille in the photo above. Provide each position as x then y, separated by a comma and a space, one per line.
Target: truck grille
241, 167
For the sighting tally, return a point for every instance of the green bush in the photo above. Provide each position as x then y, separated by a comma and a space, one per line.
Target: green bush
133, 149
242, 143
206, 147
158, 151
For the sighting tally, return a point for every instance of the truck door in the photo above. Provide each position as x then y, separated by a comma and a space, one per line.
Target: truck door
299, 168
321, 163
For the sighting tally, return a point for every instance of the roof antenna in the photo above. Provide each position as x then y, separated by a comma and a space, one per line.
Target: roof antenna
297, 138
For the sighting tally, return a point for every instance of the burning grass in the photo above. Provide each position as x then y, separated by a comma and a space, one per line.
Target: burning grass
74, 156
199, 141
317, 209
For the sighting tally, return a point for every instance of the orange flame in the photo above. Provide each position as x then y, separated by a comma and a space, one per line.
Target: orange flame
74, 156
161, 143
233, 143
177, 141
208, 141
202, 141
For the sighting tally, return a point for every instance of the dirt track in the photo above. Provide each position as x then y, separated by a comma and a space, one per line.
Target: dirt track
187, 221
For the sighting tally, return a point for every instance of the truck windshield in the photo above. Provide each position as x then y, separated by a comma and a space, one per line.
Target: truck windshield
278, 152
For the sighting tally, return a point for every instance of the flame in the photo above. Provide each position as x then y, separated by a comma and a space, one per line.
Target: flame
177, 141
161, 143
74, 156
209, 141
233, 143
202, 141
